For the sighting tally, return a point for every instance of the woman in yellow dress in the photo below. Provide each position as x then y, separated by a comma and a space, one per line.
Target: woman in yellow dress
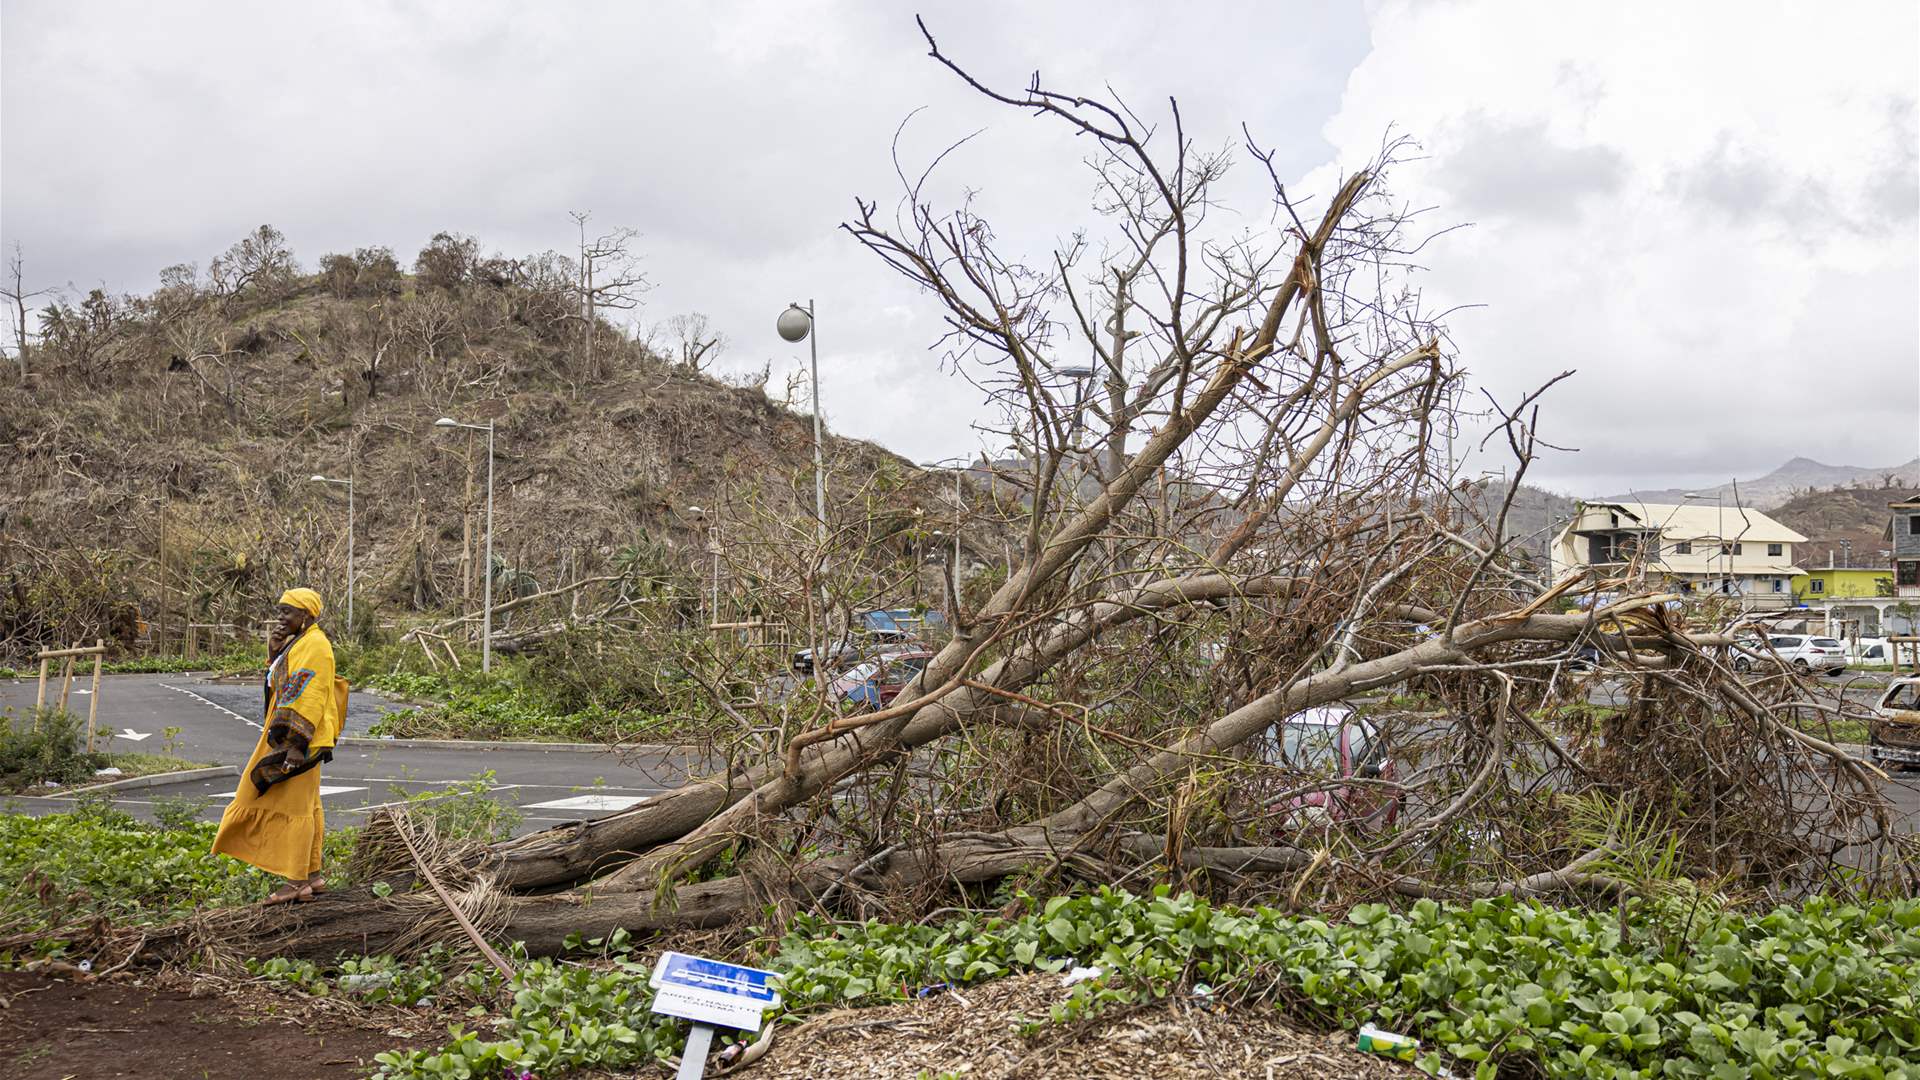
274, 821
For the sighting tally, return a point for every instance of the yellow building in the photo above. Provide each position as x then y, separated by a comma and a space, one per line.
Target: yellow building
1843, 583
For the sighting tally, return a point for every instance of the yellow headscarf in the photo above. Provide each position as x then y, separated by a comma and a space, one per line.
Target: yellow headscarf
305, 599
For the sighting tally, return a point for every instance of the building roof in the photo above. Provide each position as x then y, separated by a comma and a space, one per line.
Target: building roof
1697, 521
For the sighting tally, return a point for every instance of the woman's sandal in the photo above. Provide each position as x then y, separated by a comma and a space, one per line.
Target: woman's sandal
288, 893
314, 887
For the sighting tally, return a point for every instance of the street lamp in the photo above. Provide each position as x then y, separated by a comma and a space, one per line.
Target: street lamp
1079, 375
795, 325
713, 548
959, 466
486, 596
348, 484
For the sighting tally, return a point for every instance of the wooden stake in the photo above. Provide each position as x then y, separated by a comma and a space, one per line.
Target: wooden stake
93, 699
66, 678
41, 701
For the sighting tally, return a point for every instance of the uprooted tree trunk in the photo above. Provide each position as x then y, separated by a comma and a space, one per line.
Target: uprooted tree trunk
1280, 539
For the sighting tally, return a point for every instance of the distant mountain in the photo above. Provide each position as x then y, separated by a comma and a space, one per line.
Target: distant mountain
1796, 477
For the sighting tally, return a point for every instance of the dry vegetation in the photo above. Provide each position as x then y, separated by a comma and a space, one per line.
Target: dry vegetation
158, 455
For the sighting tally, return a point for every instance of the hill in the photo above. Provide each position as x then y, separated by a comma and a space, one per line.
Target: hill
1845, 525
1796, 477
162, 446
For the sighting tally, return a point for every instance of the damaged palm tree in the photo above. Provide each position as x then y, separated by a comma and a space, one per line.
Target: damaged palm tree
1244, 521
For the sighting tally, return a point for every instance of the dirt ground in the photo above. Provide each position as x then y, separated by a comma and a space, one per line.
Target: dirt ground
209, 1029
54, 1029
974, 1033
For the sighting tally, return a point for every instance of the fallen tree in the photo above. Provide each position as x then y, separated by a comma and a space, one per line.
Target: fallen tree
1260, 527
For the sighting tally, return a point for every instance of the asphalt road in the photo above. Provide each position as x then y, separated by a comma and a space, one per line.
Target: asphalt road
219, 724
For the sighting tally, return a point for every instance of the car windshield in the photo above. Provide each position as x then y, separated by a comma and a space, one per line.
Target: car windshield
1903, 697
1827, 642
1311, 747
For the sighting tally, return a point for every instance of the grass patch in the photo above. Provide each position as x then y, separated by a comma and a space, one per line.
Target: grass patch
1844, 731
144, 764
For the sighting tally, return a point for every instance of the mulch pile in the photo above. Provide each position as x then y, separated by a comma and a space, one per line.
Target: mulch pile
975, 1033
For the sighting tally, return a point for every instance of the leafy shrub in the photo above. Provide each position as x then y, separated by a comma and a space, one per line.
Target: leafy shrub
467, 810
45, 746
178, 812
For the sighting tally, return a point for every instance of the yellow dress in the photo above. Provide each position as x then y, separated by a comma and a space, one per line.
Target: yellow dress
281, 831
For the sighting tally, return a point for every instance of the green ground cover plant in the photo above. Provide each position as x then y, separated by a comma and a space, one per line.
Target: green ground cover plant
1680, 988
100, 862
568, 692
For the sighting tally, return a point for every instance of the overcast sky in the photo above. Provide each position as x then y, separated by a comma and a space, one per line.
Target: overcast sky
1712, 211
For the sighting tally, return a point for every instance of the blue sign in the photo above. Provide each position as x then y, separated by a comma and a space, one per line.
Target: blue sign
697, 973
712, 991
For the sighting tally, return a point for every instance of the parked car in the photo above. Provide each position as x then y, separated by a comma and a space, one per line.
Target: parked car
1801, 653
1869, 650
1335, 742
1893, 734
875, 683
872, 629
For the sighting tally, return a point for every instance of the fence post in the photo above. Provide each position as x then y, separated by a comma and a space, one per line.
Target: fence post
93, 700
66, 679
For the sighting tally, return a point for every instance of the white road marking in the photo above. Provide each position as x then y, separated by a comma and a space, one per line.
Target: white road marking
183, 690
133, 736
590, 802
325, 789
422, 799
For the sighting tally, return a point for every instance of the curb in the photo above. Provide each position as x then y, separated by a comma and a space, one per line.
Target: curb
366, 741
154, 780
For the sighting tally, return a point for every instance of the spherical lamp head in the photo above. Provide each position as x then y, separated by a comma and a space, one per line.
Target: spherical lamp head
794, 323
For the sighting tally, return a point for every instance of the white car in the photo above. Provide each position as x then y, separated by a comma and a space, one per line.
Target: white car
1870, 650
1803, 654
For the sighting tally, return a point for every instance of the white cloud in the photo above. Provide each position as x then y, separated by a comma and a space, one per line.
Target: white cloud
1708, 209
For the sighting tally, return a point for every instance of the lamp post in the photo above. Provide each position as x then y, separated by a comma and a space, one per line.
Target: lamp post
348, 484
1079, 375
486, 595
713, 548
795, 325
959, 466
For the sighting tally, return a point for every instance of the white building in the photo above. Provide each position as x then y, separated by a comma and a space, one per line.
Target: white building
1693, 548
